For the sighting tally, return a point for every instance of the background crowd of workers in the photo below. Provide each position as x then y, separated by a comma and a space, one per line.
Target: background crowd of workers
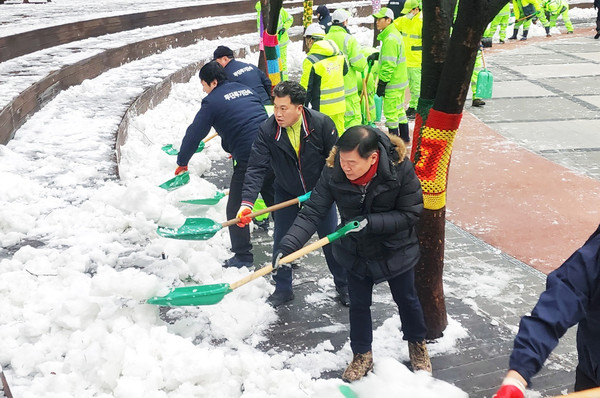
319, 141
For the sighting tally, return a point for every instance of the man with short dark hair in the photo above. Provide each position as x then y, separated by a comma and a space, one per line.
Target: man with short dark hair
294, 142
241, 72
235, 112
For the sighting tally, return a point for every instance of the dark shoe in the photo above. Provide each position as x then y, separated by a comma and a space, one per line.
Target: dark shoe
404, 132
343, 295
478, 102
597, 36
523, 38
262, 225
514, 36
411, 113
361, 364
569, 32
238, 262
525, 32
280, 297
501, 41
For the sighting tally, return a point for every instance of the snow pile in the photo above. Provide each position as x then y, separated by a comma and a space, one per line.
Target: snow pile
83, 255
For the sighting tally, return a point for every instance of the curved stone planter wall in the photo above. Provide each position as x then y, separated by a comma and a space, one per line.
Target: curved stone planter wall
24, 43
37, 95
39, 39
154, 95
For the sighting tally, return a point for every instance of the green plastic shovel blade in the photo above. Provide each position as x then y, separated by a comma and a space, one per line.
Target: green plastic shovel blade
208, 201
193, 295
169, 150
347, 392
192, 229
485, 82
176, 182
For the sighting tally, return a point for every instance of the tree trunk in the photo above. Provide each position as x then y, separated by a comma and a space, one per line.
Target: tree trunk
306, 20
376, 6
448, 62
270, 12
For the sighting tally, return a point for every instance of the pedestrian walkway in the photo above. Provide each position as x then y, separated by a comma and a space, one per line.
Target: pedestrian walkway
524, 192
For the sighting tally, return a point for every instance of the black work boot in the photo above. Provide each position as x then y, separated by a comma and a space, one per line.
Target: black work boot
547, 31
393, 132
478, 102
525, 34
403, 128
514, 36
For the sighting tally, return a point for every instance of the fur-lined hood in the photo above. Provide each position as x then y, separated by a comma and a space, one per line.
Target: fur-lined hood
395, 143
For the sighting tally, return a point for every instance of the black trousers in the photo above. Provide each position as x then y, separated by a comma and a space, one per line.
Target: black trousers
284, 219
240, 237
583, 382
405, 296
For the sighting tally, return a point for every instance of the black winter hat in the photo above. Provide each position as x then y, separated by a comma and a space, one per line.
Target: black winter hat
222, 51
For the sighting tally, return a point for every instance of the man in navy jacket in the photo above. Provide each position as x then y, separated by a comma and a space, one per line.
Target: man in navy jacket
572, 296
235, 112
294, 143
247, 74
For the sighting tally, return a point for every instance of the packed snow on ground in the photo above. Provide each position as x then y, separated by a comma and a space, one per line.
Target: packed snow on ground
82, 255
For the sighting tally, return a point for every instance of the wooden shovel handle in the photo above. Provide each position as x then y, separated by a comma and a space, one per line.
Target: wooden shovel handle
210, 137
591, 393
5, 388
263, 211
287, 259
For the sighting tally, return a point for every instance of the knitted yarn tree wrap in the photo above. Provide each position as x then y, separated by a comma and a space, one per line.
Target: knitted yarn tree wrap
273, 58
434, 141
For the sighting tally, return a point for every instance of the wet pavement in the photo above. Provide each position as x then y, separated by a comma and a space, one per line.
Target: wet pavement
546, 106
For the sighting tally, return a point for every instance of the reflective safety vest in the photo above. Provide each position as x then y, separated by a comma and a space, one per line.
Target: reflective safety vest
323, 77
412, 33
556, 6
285, 21
392, 61
354, 57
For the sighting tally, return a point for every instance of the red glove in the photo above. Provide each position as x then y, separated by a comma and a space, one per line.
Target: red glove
509, 391
180, 169
242, 214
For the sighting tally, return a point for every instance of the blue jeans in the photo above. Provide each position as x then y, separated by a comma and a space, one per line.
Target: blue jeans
404, 293
284, 218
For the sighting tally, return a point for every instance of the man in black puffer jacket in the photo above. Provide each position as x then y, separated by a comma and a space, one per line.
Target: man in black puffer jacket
370, 179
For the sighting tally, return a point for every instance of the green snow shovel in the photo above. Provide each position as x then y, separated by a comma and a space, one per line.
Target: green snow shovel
207, 201
205, 228
169, 150
485, 82
178, 181
212, 294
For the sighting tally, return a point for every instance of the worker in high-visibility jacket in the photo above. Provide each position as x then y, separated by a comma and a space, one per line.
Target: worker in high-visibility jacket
525, 12
410, 25
501, 19
554, 9
283, 24
339, 34
323, 73
393, 75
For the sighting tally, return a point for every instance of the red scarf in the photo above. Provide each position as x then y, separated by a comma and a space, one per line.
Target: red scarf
368, 175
